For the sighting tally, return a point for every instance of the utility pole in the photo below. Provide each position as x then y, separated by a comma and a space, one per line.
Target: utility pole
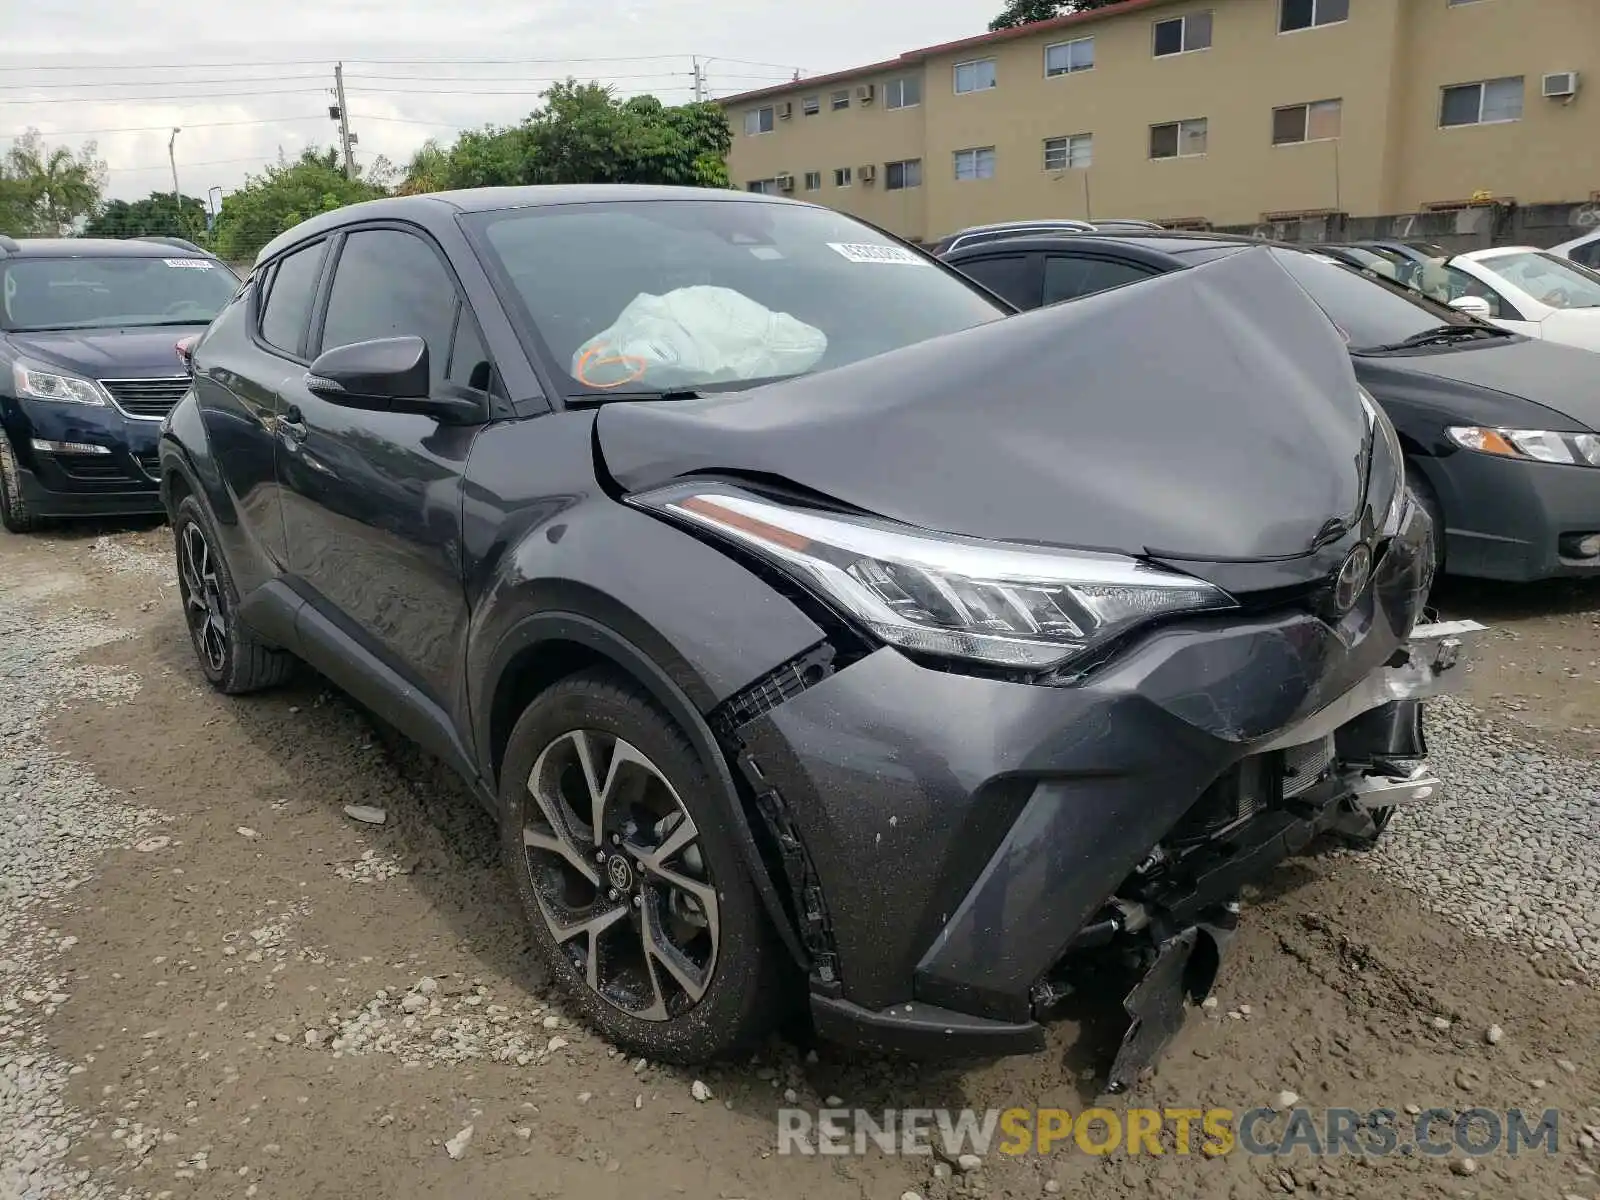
699, 81
344, 121
172, 157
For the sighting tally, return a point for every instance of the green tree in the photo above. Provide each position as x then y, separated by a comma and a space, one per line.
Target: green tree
157, 216
283, 196
47, 190
583, 134
1026, 12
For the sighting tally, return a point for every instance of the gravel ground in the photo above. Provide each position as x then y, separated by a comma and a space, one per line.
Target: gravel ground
216, 982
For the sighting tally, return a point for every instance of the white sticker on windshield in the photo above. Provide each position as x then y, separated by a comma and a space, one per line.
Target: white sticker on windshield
871, 252
197, 264
767, 252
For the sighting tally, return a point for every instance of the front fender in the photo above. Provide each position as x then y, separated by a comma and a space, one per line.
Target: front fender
186, 456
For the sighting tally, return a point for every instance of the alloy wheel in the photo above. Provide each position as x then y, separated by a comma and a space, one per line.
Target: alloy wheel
615, 863
202, 597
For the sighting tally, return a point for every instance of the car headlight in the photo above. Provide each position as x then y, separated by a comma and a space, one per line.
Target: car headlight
1379, 422
1573, 449
1003, 604
32, 383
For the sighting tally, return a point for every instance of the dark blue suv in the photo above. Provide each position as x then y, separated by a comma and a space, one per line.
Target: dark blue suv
89, 365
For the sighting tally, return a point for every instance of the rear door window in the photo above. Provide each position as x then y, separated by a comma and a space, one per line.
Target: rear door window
1067, 276
291, 293
1013, 276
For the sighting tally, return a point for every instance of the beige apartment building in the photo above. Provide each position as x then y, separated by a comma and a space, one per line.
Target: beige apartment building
1226, 111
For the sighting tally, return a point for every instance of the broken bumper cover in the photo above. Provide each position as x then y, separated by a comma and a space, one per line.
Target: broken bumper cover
960, 832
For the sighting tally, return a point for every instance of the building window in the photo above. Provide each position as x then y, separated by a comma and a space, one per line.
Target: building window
898, 176
811, 105
1308, 14
1318, 122
813, 181
764, 187
1065, 58
975, 164
1459, 3
758, 120
841, 177
840, 99
1179, 139
1492, 102
902, 93
977, 76
1181, 35
1064, 153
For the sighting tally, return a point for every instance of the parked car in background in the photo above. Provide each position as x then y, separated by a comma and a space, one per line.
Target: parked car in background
975, 234
1499, 430
1124, 225
1584, 250
680, 522
88, 368
1410, 258
1531, 291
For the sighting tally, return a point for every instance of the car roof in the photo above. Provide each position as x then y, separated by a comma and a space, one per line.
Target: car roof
1492, 252
498, 199
93, 248
1574, 243
1174, 243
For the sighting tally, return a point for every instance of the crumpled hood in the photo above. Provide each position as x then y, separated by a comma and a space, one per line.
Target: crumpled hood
108, 353
1211, 413
1562, 378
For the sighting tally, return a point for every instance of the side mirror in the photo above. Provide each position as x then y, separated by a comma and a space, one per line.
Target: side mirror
1473, 306
386, 375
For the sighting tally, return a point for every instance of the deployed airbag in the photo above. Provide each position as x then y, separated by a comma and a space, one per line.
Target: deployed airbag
697, 335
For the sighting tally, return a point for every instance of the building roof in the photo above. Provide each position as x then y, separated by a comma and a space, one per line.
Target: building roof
912, 58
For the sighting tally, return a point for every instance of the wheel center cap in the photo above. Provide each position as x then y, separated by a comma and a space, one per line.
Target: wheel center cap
619, 873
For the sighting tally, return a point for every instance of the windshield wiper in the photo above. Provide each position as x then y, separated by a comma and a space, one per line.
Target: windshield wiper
607, 397
1444, 333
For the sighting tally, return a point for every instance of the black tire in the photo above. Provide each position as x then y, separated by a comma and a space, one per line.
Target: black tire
235, 662
1429, 499
743, 992
14, 514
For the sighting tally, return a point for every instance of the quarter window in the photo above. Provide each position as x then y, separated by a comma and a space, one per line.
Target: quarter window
976, 76
1490, 102
1013, 276
290, 296
902, 93
758, 120
1180, 35
977, 163
1179, 139
1307, 14
391, 284
1065, 58
897, 176
1064, 153
1317, 122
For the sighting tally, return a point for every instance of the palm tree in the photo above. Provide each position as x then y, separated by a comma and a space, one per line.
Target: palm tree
56, 188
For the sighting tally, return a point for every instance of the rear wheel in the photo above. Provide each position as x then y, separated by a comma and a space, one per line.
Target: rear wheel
14, 514
634, 891
233, 659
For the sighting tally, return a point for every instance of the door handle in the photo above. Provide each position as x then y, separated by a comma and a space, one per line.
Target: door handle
292, 423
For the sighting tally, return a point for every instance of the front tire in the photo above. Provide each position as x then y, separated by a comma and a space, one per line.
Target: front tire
634, 891
232, 658
14, 514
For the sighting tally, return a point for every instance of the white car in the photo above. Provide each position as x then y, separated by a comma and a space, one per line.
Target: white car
1528, 291
1585, 250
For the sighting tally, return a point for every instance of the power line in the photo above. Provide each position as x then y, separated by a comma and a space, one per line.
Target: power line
168, 126
215, 162
328, 62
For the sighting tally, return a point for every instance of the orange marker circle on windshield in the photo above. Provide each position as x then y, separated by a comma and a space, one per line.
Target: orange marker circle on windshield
594, 357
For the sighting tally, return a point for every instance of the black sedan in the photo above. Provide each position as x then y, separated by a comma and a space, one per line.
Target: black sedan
1499, 430
818, 629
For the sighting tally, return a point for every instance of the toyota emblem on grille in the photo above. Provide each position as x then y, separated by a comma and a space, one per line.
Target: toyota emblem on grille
1351, 580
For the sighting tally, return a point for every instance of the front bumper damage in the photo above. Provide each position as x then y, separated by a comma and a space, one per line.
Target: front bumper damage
1379, 765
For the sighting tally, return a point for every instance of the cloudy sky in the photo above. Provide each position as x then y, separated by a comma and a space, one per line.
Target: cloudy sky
244, 79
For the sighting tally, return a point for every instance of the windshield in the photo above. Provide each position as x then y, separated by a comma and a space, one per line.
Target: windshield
649, 296
123, 292
1548, 279
1370, 313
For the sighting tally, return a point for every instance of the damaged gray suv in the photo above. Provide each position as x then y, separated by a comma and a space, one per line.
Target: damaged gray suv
819, 630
